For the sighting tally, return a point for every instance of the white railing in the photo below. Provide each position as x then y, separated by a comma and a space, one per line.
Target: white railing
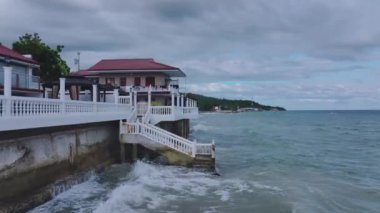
204, 149
171, 140
163, 137
169, 113
155, 88
168, 110
29, 107
190, 110
146, 117
124, 100
2, 107
131, 128
142, 107
133, 116
161, 110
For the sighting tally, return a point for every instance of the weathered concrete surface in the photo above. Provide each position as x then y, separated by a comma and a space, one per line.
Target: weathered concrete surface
31, 160
150, 149
180, 127
153, 150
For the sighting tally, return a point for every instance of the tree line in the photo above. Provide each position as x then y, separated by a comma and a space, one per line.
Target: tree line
206, 103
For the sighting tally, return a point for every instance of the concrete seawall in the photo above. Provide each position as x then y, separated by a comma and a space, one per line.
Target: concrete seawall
31, 160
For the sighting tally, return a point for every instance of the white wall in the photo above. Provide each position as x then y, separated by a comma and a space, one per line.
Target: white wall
159, 79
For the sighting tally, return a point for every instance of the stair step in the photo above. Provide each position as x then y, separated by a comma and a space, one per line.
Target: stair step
209, 158
203, 161
202, 164
200, 155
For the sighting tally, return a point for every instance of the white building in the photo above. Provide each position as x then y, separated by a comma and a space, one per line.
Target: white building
23, 82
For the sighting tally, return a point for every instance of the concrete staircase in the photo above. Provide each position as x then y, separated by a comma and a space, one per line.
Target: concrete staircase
177, 149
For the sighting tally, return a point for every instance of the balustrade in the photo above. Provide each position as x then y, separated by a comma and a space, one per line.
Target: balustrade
171, 140
124, 100
28, 107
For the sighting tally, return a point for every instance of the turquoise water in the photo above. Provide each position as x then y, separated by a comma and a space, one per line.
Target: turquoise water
300, 161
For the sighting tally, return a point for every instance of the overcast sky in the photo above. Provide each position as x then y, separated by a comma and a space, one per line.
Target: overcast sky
299, 54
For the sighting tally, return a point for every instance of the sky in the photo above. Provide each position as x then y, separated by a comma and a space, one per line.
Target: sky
298, 54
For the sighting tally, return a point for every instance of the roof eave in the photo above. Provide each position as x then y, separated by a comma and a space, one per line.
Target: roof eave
17, 61
169, 72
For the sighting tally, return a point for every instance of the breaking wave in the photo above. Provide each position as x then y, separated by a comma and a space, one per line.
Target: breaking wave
200, 127
150, 187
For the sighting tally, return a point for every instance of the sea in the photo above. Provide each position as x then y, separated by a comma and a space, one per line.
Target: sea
293, 161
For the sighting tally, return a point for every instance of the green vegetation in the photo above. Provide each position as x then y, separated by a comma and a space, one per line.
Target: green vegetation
208, 103
52, 66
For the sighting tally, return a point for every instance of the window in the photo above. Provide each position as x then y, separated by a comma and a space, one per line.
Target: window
17, 81
123, 81
110, 81
137, 81
150, 81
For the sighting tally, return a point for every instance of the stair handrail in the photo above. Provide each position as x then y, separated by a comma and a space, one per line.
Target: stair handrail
172, 140
133, 116
166, 138
146, 117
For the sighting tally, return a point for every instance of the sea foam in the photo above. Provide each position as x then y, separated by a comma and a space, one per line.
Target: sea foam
149, 187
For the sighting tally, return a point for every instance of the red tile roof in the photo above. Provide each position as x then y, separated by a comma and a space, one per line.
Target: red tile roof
6, 52
80, 73
130, 64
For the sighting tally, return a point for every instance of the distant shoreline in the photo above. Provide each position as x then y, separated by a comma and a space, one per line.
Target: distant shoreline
206, 103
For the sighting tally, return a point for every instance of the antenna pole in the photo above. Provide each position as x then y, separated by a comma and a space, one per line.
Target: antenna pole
78, 61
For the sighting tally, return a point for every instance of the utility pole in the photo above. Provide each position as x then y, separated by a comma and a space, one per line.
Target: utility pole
77, 60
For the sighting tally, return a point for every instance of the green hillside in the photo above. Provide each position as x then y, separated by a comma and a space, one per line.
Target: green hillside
206, 103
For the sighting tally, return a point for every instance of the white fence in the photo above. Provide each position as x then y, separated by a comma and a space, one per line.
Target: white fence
161, 110
124, 100
205, 149
32, 107
155, 88
171, 140
169, 113
168, 110
142, 107
190, 110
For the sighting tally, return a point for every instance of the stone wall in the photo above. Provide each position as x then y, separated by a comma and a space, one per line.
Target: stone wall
32, 159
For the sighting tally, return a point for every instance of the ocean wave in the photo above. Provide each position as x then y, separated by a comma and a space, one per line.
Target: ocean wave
201, 127
75, 198
150, 187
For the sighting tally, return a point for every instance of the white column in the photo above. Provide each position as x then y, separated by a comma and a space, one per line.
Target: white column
181, 100
94, 93
135, 94
194, 151
172, 100
149, 95
213, 149
177, 100
7, 81
62, 94
116, 95
62, 89
30, 72
46, 93
7, 89
130, 96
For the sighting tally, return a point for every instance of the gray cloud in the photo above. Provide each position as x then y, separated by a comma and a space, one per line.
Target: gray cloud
213, 41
